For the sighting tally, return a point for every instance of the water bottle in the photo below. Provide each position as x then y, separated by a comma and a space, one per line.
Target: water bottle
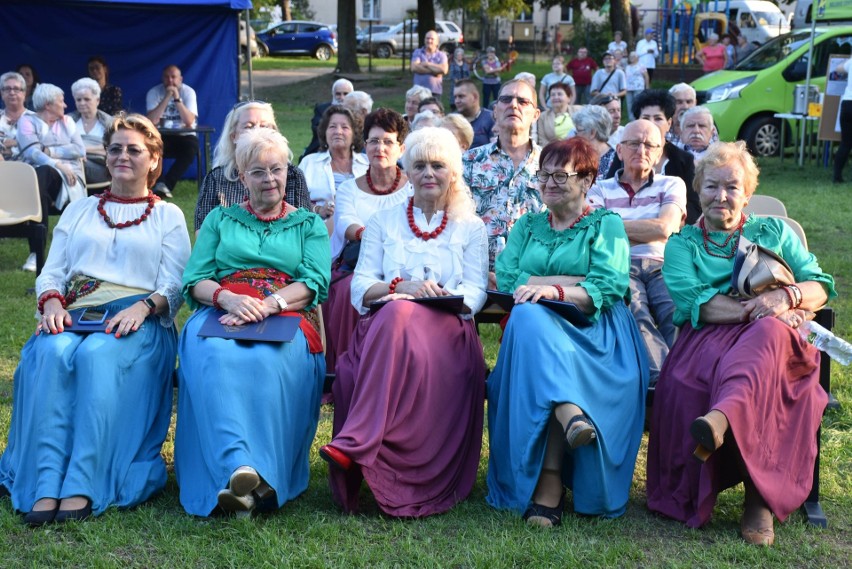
837, 348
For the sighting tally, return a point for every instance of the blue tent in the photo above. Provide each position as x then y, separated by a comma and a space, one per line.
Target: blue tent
138, 38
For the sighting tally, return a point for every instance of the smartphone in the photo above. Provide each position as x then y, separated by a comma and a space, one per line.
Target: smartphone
93, 317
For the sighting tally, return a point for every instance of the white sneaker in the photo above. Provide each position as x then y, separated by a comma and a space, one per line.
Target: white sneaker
231, 503
30, 263
244, 480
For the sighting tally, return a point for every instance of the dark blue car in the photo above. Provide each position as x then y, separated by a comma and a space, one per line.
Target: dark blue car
297, 37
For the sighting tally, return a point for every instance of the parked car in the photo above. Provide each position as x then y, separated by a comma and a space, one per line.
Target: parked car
298, 37
390, 42
745, 99
255, 50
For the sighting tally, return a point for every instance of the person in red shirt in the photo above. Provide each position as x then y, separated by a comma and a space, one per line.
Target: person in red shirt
582, 68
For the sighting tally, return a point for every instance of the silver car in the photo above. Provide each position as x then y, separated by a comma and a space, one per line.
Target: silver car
390, 42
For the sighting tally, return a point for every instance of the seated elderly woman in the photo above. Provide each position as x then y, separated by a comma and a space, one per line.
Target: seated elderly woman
383, 186
339, 159
593, 123
91, 123
413, 97
49, 140
111, 97
566, 403
30, 75
222, 185
739, 379
239, 445
556, 123
461, 129
12, 89
408, 398
360, 103
86, 434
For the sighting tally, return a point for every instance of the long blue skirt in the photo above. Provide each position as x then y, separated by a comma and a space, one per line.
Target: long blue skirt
545, 361
90, 414
244, 403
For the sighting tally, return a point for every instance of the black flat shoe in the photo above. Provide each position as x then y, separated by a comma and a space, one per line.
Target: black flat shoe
41, 517
78, 515
544, 516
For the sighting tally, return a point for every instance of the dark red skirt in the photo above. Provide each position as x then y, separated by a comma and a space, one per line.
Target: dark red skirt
765, 379
339, 317
409, 398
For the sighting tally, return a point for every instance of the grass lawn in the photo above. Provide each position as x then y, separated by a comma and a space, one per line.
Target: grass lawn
309, 531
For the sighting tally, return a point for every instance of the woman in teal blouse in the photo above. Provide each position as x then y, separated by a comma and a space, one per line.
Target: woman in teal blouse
566, 404
739, 378
248, 411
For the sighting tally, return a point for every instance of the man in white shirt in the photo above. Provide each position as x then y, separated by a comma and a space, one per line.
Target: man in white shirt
173, 105
648, 52
653, 207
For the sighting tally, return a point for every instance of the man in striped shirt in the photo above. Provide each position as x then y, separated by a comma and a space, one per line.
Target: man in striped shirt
652, 207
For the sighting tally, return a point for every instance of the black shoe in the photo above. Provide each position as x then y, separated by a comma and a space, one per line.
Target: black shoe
544, 516
78, 515
41, 517
162, 190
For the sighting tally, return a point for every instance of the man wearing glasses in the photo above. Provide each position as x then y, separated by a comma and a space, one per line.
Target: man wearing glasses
652, 207
172, 105
501, 174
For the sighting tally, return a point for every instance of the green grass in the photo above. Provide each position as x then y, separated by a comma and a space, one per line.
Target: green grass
311, 532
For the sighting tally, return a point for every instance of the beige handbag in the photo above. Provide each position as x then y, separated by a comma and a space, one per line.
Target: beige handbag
758, 270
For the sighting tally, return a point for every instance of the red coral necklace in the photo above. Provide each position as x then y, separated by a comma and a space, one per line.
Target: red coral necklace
109, 196
392, 187
428, 234
267, 219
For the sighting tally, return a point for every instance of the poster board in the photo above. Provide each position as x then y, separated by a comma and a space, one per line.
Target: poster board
835, 85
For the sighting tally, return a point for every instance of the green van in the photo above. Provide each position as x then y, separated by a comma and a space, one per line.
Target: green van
745, 99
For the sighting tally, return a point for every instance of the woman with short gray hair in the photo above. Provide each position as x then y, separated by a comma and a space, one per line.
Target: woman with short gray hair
13, 88
92, 124
594, 123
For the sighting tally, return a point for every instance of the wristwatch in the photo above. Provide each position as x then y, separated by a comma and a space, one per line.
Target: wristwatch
152, 306
282, 304
178, 100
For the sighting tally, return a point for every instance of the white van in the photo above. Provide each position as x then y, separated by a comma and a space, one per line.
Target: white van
758, 20
803, 16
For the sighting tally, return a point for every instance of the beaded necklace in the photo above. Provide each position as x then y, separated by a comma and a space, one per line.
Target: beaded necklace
392, 187
108, 196
417, 231
573, 223
267, 219
733, 250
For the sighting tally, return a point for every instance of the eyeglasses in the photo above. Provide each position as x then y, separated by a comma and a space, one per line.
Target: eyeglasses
116, 150
383, 141
12, 90
559, 177
507, 100
260, 174
634, 145
244, 103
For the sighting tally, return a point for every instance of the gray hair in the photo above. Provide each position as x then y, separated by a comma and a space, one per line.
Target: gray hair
223, 155
459, 126
692, 111
359, 101
14, 76
682, 88
418, 91
425, 118
339, 83
86, 83
46, 93
595, 120
259, 142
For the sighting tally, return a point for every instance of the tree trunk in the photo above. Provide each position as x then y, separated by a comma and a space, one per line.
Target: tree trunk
619, 17
425, 18
286, 14
347, 52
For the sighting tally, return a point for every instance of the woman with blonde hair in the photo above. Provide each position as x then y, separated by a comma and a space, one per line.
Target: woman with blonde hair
409, 391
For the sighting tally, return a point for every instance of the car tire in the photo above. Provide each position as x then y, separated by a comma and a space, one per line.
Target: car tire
323, 52
384, 51
762, 135
262, 49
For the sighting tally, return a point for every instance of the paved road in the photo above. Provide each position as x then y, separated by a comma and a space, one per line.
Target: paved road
276, 77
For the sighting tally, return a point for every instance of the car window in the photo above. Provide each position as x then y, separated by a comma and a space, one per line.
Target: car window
286, 28
797, 70
452, 27
309, 28
773, 51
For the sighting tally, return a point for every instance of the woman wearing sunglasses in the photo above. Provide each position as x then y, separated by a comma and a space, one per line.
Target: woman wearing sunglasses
566, 403
248, 410
92, 409
222, 185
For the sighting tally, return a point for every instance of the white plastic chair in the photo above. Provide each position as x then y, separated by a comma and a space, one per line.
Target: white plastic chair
20, 206
759, 204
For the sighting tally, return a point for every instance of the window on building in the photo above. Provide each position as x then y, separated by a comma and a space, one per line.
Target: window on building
372, 10
566, 15
526, 13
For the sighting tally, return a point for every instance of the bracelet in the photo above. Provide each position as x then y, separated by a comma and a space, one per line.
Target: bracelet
216, 294
45, 297
359, 232
561, 292
797, 292
152, 306
791, 296
392, 287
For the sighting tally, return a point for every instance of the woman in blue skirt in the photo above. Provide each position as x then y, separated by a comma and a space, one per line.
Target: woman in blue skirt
566, 403
91, 409
248, 411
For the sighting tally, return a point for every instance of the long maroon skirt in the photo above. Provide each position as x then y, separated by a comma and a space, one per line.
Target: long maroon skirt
409, 397
339, 318
765, 380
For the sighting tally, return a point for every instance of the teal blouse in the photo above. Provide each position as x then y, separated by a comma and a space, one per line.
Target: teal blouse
693, 276
231, 239
596, 248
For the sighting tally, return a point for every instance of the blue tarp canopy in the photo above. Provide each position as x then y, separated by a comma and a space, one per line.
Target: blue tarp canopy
137, 38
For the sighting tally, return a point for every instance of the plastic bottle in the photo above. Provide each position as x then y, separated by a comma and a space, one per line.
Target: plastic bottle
837, 348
